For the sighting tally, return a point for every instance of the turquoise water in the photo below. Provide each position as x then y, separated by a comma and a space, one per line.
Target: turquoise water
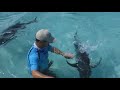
98, 31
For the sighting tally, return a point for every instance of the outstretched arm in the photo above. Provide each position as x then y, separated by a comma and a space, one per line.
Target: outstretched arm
57, 51
66, 55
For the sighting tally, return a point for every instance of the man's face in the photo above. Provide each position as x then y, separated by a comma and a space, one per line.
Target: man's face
43, 44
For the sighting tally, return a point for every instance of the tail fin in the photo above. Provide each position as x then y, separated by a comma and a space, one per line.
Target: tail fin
75, 36
35, 20
76, 32
50, 64
98, 63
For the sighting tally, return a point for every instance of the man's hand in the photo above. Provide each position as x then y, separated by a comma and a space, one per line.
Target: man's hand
68, 55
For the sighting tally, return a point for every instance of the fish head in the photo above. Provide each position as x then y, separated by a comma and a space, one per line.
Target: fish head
75, 43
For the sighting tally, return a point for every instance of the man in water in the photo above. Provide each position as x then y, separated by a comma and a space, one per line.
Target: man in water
38, 62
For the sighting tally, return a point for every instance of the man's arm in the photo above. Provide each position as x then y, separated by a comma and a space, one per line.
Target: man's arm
37, 74
66, 55
34, 68
57, 51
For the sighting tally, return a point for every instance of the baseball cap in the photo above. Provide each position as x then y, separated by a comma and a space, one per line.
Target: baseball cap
45, 35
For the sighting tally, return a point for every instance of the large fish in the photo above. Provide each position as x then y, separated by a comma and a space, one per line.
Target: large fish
9, 33
82, 59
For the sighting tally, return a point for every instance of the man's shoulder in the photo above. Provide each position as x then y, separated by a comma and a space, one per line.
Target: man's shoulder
33, 52
33, 56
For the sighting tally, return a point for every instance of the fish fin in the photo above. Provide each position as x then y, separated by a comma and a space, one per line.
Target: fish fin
73, 65
76, 32
50, 64
35, 20
98, 63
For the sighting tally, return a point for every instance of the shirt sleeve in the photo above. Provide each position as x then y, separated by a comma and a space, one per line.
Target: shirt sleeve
50, 48
33, 63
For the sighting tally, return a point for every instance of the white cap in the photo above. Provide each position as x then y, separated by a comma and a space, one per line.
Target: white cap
45, 35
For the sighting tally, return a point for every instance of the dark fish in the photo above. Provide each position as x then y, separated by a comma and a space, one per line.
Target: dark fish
82, 59
9, 34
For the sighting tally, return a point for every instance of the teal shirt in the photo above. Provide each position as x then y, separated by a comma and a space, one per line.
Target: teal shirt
38, 58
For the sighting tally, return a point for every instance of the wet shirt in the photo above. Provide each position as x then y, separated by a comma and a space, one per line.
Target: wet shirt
38, 58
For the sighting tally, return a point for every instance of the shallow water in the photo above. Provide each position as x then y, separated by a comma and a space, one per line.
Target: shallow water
98, 31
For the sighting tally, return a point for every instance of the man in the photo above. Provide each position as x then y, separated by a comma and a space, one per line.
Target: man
38, 62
